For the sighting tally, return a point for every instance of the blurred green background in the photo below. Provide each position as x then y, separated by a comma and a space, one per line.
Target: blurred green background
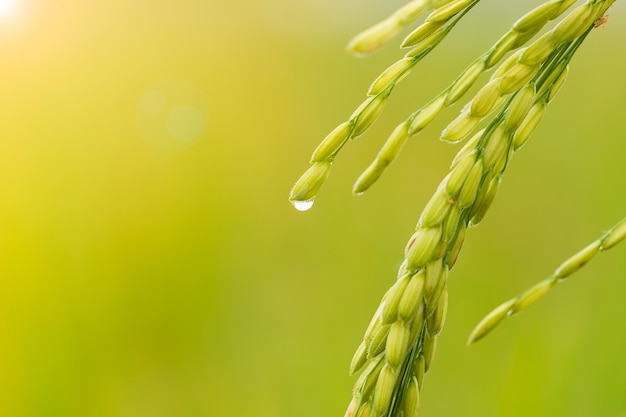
152, 266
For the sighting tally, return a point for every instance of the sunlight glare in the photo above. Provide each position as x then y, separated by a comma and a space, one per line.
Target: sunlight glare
7, 8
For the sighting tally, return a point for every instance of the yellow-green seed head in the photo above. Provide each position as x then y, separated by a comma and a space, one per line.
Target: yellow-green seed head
558, 83
439, 289
470, 187
459, 173
615, 236
421, 33
392, 75
394, 144
373, 38
397, 343
403, 269
467, 148
528, 125
359, 359
459, 128
519, 107
430, 343
456, 247
423, 247
509, 63
565, 4
375, 324
437, 319
552, 77
366, 382
420, 369
412, 296
573, 24
426, 115
516, 77
426, 45
577, 261
421, 49
537, 17
505, 44
367, 178
390, 308
448, 11
531, 296
384, 389
309, 184
465, 81
353, 408
377, 345
411, 399
539, 50
485, 99
496, 147
366, 410
482, 191
438, 3
436, 209
490, 321
368, 115
418, 321
481, 205
451, 224
332, 142
523, 38
411, 11
501, 161
433, 276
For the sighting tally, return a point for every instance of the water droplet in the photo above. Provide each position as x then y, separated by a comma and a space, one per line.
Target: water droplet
303, 205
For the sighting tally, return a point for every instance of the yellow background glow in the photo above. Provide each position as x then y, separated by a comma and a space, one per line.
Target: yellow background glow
151, 265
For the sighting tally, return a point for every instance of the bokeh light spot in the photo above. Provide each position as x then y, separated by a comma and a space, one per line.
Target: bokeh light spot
153, 102
185, 123
172, 114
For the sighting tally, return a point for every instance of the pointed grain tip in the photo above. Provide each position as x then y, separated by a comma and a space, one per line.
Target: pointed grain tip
373, 38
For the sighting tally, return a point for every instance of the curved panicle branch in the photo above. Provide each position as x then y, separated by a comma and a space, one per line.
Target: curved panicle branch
513, 306
306, 188
371, 39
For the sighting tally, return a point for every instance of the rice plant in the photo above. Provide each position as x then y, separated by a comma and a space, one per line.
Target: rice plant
530, 66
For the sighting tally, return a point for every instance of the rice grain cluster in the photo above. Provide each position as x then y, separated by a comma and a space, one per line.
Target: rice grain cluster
398, 346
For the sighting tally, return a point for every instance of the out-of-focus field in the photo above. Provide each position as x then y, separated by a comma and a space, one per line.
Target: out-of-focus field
151, 265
